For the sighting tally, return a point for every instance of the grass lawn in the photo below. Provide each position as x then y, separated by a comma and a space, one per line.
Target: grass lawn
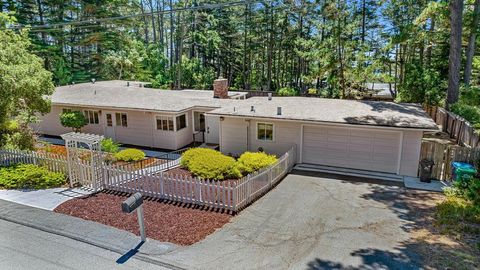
445, 241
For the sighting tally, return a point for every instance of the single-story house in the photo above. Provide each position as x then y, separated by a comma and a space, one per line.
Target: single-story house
132, 114
365, 135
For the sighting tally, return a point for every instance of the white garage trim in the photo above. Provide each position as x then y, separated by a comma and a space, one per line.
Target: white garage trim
343, 157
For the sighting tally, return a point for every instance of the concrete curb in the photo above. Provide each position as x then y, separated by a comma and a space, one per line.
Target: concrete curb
88, 232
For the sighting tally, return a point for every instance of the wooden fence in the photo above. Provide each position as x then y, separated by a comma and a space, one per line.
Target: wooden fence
232, 195
443, 155
457, 127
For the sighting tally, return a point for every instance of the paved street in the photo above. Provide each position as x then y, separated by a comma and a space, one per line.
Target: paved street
23, 247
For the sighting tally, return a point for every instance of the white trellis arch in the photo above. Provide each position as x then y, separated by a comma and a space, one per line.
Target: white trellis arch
87, 172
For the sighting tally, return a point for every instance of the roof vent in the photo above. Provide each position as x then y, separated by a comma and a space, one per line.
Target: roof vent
128, 84
279, 110
95, 92
269, 96
141, 85
93, 81
252, 108
234, 109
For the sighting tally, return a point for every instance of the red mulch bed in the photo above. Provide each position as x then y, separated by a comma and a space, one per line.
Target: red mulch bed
166, 222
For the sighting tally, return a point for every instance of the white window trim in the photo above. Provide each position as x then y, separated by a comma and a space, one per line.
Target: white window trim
166, 116
88, 111
265, 123
115, 119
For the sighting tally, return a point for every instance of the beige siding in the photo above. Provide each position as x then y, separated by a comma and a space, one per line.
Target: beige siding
285, 135
412, 141
50, 123
141, 129
185, 136
384, 142
233, 136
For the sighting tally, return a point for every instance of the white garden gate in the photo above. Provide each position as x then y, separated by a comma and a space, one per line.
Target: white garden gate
85, 159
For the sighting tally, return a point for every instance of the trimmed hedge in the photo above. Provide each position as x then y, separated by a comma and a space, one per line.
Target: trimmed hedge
209, 164
130, 154
250, 162
29, 176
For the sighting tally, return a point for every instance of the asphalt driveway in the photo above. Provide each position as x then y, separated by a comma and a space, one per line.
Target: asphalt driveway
312, 222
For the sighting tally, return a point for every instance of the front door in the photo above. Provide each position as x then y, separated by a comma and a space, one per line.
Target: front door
109, 125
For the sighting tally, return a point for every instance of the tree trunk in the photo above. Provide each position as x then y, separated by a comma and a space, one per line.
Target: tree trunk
456, 12
152, 17
471, 43
145, 27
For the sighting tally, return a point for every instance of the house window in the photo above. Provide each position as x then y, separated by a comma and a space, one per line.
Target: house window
265, 132
181, 121
199, 120
121, 119
109, 120
66, 110
165, 123
91, 116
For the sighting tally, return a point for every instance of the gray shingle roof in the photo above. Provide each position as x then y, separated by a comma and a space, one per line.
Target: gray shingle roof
116, 94
375, 113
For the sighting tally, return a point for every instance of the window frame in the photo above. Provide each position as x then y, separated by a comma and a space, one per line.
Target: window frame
257, 129
119, 120
166, 122
176, 122
92, 117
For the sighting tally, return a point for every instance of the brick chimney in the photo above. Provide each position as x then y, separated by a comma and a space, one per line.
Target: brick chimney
220, 88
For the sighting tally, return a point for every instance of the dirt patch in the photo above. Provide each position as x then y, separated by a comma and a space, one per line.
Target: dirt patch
166, 222
438, 249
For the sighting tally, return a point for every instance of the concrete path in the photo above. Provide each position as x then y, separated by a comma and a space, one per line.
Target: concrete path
434, 185
47, 199
33, 238
312, 222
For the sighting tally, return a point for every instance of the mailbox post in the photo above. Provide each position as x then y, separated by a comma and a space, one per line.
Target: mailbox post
135, 202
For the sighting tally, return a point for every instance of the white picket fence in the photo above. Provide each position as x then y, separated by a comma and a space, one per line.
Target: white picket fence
232, 195
53, 162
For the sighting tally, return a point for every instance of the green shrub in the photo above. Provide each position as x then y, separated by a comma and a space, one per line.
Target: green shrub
110, 146
210, 164
470, 113
29, 176
287, 91
130, 154
75, 120
455, 210
312, 91
250, 162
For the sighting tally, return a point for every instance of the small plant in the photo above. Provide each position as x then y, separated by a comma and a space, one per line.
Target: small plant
287, 91
312, 91
75, 120
29, 176
110, 146
130, 154
253, 161
210, 164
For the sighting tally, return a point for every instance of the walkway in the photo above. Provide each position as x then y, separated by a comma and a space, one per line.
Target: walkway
47, 199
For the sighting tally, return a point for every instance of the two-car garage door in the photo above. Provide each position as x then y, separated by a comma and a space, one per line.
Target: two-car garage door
365, 149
